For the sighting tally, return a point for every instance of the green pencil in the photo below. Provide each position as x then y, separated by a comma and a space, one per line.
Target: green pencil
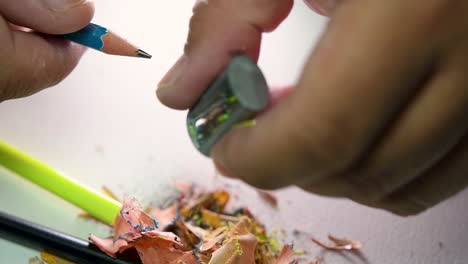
99, 206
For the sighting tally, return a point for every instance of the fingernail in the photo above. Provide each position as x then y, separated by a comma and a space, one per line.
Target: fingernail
323, 7
169, 81
61, 5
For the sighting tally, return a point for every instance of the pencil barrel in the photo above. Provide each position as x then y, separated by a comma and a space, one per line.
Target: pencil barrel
39, 237
94, 203
90, 36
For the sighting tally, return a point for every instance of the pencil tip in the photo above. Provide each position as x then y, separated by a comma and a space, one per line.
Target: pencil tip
143, 54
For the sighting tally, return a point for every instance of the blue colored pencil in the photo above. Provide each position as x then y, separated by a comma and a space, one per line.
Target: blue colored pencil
102, 39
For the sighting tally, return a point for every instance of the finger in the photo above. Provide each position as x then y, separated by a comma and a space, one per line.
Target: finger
444, 180
343, 101
430, 127
48, 16
31, 62
439, 183
218, 29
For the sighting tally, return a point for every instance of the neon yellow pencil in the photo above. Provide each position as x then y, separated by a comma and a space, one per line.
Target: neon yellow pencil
101, 207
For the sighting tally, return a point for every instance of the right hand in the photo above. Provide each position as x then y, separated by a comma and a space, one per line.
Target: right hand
29, 61
379, 114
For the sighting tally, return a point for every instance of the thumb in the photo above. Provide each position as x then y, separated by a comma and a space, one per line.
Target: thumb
48, 16
218, 29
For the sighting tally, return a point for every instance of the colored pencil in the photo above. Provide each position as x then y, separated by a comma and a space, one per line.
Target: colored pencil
103, 39
91, 201
42, 238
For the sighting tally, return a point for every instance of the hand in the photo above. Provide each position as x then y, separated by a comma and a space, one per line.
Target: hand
380, 114
30, 62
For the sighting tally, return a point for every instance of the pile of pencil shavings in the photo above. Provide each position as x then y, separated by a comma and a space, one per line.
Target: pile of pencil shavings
195, 229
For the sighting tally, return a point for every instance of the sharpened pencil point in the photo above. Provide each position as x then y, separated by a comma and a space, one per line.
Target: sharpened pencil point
143, 54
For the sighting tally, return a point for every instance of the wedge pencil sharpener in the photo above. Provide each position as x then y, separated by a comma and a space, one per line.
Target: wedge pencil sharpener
233, 97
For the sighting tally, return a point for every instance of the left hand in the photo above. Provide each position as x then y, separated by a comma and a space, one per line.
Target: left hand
30, 61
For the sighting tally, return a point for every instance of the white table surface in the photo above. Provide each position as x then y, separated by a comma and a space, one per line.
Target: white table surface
103, 125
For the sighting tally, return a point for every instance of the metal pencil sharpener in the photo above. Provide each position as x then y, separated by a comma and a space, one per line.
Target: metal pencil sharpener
233, 98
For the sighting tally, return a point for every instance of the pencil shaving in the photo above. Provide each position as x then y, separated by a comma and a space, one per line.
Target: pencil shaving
51, 259
269, 198
35, 260
339, 244
195, 229
286, 256
317, 260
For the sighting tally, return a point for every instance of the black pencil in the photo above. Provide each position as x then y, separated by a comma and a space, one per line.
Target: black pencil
39, 237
